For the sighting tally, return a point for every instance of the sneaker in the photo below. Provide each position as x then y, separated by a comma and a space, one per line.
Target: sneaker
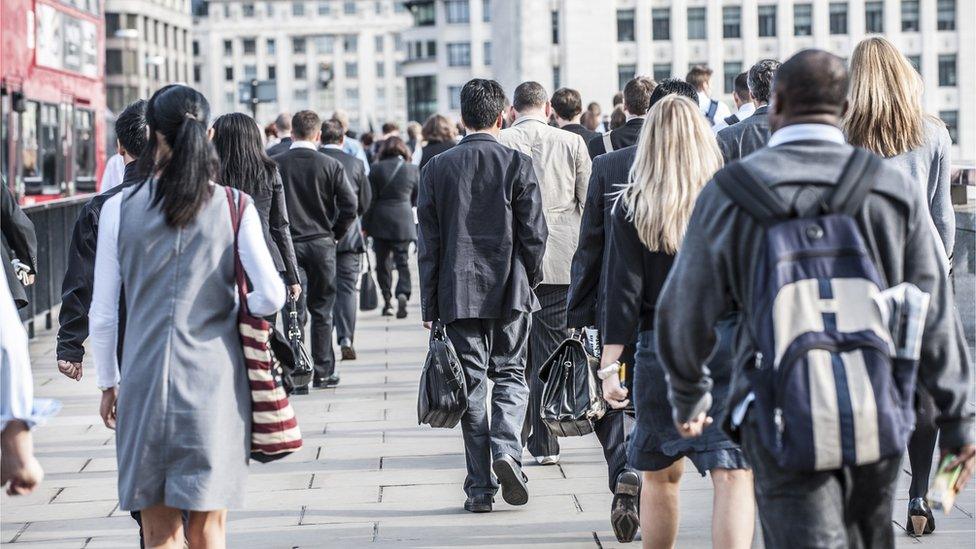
624, 515
387, 309
401, 306
479, 504
512, 480
547, 460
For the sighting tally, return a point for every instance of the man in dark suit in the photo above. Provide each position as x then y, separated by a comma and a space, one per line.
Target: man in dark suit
283, 125
482, 239
20, 243
742, 139
321, 208
637, 100
350, 250
568, 106
585, 310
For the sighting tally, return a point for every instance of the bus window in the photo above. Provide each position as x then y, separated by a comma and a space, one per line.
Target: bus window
84, 149
50, 147
31, 148
4, 133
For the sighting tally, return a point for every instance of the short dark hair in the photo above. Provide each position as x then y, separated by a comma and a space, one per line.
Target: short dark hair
394, 146
590, 121
698, 76
529, 94
390, 127
332, 132
761, 79
811, 82
130, 128
283, 122
567, 103
675, 86
593, 107
618, 117
482, 101
618, 98
637, 95
304, 124
741, 86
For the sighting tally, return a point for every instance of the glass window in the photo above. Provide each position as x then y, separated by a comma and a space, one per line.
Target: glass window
298, 8
84, 149
298, 44
349, 7
50, 145
697, 24
838, 18
300, 94
300, 71
951, 120
324, 44
625, 73
112, 24
229, 98
625, 25
31, 143
196, 48
454, 97
486, 11
557, 77
767, 21
229, 74
661, 24
874, 17
250, 72
197, 74
380, 69
555, 27
423, 16
802, 20
325, 7
247, 9
270, 46
916, 61
113, 61
352, 69
660, 71
947, 70
457, 11
909, 15
380, 95
272, 72
421, 97
946, 15
350, 43
731, 22
250, 46
378, 43
459, 54
488, 54
730, 71
228, 48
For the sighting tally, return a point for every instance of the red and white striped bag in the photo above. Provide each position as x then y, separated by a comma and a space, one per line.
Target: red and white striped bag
274, 427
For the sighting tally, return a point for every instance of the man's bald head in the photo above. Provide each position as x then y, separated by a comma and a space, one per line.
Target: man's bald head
812, 83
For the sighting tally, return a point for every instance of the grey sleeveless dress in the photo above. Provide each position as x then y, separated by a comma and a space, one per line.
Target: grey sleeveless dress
184, 409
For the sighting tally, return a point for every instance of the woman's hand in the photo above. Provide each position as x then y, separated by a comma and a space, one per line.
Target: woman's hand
614, 393
695, 427
107, 408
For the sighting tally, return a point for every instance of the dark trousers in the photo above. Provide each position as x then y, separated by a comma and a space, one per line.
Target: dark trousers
317, 270
348, 265
491, 349
391, 253
548, 331
849, 508
613, 430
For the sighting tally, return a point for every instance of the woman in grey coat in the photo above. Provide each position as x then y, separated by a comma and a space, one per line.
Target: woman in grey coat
885, 116
181, 404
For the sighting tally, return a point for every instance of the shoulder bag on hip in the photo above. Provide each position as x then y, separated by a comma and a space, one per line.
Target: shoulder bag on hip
368, 298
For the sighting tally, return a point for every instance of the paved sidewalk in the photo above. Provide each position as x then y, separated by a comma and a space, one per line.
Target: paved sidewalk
368, 475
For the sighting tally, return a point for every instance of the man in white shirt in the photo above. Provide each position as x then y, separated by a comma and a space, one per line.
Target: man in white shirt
743, 101
714, 110
114, 171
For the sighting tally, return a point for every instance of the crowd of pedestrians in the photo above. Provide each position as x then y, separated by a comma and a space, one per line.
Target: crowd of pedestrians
647, 231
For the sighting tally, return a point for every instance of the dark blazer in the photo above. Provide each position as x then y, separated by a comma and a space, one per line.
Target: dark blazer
269, 201
482, 232
79, 280
19, 241
320, 202
353, 241
390, 217
609, 174
581, 131
280, 146
743, 138
434, 148
622, 137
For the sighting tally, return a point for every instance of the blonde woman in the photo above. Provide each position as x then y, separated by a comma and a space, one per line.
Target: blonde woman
676, 155
885, 116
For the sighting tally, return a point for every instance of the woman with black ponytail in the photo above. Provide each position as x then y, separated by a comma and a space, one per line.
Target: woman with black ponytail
181, 405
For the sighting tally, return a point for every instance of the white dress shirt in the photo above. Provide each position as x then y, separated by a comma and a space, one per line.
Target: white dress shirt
303, 145
721, 112
114, 172
807, 132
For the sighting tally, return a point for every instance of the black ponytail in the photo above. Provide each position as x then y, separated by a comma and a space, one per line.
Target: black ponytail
177, 116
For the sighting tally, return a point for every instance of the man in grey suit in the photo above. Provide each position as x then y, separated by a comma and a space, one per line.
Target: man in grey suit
743, 138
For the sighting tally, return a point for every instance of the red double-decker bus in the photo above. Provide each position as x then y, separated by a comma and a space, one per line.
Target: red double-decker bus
52, 97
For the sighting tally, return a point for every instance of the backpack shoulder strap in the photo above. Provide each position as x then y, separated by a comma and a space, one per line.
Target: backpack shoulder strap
755, 197
855, 182
607, 143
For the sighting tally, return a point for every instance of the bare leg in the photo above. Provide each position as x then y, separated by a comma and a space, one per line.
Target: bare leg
733, 508
208, 529
659, 506
162, 527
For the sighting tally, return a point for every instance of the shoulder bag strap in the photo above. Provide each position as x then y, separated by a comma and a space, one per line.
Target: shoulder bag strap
607, 143
391, 179
755, 197
855, 182
236, 204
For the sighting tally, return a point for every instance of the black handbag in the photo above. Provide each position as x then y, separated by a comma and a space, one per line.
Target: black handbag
572, 395
443, 395
368, 298
290, 353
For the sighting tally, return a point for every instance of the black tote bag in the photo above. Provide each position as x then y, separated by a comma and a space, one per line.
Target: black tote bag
443, 395
572, 395
368, 298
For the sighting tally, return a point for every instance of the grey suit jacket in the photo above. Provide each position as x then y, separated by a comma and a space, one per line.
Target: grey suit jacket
746, 137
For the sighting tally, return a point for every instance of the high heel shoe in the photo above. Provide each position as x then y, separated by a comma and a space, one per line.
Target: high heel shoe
920, 520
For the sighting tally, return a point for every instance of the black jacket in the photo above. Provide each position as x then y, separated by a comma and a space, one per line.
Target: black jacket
280, 146
353, 241
622, 137
79, 278
320, 202
390, 217
482, 232
432, 149
19, 241
744, 138
581, 131
609, 174
269, 201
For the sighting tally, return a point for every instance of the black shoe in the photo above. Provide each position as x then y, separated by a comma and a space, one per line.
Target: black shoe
387, 308
401, 306
624, 516
512, 480
303, 390
348, 353
920, 520
479, 504
325, 382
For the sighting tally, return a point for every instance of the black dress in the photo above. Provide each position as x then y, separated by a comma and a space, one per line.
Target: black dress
432, 149
390, 222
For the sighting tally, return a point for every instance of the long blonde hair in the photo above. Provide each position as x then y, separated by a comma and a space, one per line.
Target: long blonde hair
885, 113
676, 155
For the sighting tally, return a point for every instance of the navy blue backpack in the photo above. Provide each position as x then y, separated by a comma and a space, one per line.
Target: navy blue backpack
827, 391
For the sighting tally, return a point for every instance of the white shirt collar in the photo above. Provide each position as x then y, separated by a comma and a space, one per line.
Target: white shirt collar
745, 111
807, 132
303, 145
525, 117
332, 146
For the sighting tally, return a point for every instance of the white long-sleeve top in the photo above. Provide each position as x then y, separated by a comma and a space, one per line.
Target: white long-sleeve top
266, 297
